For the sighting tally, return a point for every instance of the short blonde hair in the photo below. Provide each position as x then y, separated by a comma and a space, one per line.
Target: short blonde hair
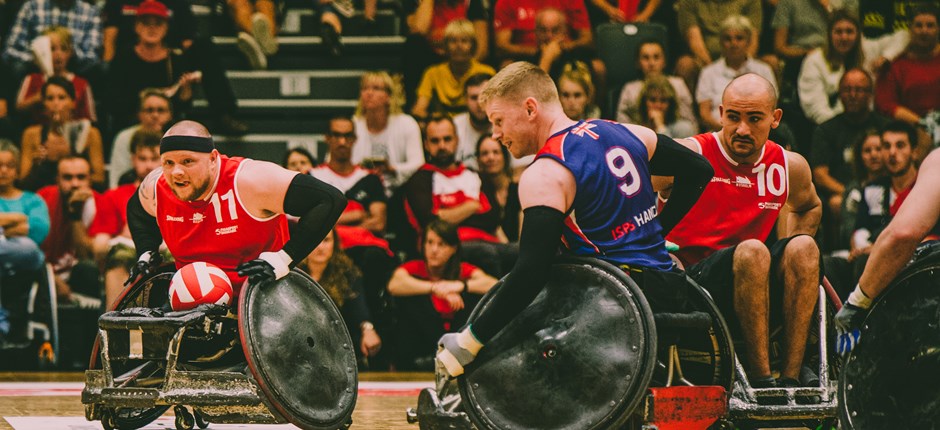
393, 86
518, 81
65, 36
461, 28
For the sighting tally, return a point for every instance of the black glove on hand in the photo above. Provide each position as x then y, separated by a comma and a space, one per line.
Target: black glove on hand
144, 266
256, 270
268, 266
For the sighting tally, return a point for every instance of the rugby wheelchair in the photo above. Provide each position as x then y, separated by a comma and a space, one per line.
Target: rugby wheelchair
892, 377
30, 300
285, 356
589, 353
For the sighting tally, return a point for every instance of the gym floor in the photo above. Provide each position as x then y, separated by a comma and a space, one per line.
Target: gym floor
383, 398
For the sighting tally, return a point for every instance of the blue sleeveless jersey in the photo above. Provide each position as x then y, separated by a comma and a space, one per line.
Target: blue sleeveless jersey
613, 216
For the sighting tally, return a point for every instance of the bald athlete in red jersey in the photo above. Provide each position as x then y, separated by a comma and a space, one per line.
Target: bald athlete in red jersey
227, 211
742, 276
741, 202
211, 229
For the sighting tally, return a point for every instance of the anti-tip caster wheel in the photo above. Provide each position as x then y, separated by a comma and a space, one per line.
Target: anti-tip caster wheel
107, 420
184, 419
201, 420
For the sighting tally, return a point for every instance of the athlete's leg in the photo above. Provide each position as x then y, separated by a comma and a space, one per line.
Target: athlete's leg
800, 271
751, 268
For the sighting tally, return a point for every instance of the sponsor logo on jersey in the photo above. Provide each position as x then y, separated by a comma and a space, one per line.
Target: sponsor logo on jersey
770, 205
622, 230
743, 182
722, 180
197, 218
645, 216
226, 230
175, 218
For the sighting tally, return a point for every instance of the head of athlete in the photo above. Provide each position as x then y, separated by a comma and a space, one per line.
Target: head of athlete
189, 173
748, 113
522, 103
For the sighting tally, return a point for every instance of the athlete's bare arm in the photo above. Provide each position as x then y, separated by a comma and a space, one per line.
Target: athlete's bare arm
147, 191
647, 136
261, 187
547, 183
896, 244
802, 200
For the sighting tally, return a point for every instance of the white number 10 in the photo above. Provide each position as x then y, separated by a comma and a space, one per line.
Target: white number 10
622, 166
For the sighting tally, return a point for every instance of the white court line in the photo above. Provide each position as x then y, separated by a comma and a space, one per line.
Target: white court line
79, 423
41, 389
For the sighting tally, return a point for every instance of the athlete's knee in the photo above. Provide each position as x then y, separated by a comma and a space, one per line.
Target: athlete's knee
751, 255
802, 254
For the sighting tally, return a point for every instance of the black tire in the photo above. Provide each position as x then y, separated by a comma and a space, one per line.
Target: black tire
132, 418
184, 419
201, 421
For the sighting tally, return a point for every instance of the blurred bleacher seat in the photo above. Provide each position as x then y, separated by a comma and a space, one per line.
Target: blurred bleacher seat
289, 104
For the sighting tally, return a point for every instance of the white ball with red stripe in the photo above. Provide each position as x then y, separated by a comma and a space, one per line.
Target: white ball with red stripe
199, 283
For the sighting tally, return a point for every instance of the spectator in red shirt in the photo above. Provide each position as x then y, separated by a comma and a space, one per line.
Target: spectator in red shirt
145, 150
514, 25
435, 295
82, 222
553, 46
445, 189
29, 99
911, 87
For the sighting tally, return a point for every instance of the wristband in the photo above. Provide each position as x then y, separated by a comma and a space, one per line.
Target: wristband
466, 287
280, 261
467, 340
859, 298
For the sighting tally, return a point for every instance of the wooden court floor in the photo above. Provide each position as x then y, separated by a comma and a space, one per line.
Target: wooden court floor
375, 408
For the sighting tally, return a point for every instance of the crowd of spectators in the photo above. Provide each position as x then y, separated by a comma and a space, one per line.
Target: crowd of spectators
426, 184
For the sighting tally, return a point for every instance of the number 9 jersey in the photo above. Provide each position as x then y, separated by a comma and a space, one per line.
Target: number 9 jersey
219, 230
613, 216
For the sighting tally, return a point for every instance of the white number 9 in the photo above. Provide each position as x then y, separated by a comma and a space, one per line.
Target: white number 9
622, 166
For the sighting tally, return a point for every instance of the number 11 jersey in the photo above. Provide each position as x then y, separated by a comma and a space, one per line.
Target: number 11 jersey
613, 216
218, 230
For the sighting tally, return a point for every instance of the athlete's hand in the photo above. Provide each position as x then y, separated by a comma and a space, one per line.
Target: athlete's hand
848, 324
456, 350
144, 266
269, 266
849, 320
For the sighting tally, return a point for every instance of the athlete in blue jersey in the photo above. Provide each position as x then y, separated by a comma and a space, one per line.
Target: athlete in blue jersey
589, 188
616, 220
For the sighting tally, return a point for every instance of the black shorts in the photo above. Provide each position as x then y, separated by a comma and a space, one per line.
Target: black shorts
715, 274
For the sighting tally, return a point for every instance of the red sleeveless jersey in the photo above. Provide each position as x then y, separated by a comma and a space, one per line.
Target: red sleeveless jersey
742, 201
218, 230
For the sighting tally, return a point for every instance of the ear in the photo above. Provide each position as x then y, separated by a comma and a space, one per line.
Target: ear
531, 108
777, 115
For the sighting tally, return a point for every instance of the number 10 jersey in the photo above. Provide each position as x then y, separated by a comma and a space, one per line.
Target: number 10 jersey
613, 216
741, 202
219, 230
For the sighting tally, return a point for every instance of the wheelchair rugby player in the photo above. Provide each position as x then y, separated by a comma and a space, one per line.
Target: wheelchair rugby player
226, 362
